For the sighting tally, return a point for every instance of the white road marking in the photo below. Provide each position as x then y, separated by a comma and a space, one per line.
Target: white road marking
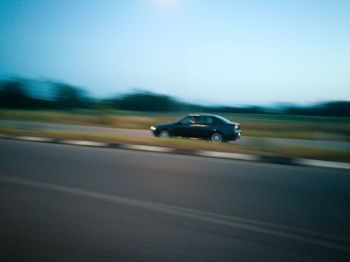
321, 163
214, 154
147, 148
84, 143
33, 138
298, 234
228, 155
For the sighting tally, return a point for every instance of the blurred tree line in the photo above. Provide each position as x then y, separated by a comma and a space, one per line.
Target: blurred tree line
17, 94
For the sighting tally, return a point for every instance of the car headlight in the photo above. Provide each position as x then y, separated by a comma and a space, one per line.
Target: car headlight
153, 128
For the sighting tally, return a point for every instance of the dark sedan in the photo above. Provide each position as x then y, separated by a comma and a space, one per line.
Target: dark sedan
203, 126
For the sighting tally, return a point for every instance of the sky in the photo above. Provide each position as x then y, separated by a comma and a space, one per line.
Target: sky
211, 51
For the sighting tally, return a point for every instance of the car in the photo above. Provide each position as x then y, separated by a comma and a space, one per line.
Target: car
202, 126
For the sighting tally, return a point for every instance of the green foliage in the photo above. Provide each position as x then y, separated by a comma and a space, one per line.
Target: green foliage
147, 102
71, 97
16, 94
13, 94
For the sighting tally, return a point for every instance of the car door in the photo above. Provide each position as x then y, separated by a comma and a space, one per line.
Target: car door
203, 128
184, 127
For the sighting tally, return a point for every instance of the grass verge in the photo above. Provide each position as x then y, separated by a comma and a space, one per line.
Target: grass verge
188, 144
281, 126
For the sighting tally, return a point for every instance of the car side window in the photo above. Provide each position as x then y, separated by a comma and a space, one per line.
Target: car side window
209, 120
205, 120
201, 120
217, 121
188, 120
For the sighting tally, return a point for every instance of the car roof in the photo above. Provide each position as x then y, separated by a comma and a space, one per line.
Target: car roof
203, 114
213, 115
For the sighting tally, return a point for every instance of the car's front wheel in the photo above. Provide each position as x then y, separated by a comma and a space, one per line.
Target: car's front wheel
164, 134
216, 138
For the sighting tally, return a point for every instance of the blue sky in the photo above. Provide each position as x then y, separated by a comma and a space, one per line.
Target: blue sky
215, 51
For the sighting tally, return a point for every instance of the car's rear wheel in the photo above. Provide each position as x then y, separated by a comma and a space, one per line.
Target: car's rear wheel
216, 138
164, 134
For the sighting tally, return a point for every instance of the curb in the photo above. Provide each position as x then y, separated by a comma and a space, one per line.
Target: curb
203, 153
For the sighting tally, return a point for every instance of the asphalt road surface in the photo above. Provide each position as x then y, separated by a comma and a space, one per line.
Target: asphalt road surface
34, 125
70, 203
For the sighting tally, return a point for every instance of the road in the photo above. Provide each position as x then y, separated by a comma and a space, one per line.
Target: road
70, 203
34, 125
